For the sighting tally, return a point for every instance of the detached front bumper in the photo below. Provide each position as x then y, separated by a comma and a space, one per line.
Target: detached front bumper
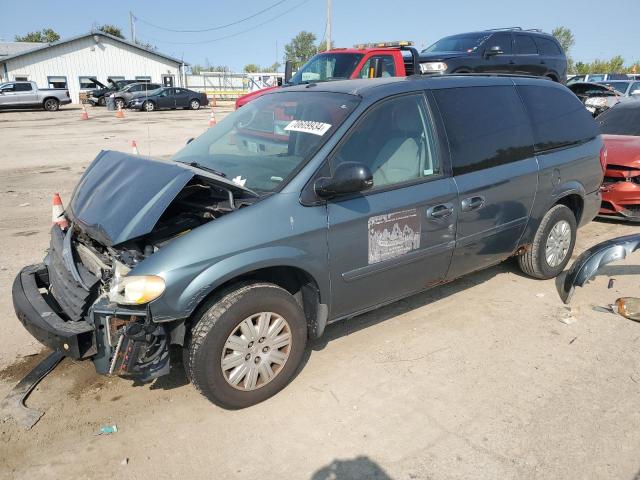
75, 339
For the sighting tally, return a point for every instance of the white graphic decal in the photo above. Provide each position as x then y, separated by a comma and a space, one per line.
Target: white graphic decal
393, 234
239, 180
307, 126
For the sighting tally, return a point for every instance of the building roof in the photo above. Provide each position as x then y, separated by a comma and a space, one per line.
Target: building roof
8, 49
36, 47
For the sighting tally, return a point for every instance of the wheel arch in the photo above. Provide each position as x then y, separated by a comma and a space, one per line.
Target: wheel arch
50, 97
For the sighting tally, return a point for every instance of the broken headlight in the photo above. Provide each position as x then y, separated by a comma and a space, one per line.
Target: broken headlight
136, 290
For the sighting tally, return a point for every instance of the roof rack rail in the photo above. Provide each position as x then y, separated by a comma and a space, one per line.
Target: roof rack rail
502, 28
538, 30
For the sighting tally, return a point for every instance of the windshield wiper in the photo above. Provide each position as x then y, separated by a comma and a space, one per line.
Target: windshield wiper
207, 169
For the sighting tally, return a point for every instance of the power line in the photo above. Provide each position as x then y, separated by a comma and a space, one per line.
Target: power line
233, 34
219, 27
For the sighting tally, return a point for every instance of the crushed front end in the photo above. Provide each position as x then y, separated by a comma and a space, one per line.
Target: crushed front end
86, 299
64, 303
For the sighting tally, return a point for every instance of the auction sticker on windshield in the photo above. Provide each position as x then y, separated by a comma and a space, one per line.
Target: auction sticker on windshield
307, 126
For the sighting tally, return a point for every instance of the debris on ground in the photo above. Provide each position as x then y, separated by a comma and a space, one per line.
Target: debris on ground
540, 295
569, 320
24, 204
611, 282
108, 430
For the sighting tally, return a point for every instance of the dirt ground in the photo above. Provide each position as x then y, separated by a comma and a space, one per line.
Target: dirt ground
490, 376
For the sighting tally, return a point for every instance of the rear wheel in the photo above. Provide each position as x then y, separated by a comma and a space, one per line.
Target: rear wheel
194, 104
51, 104
246, 346
149, 106
552, 245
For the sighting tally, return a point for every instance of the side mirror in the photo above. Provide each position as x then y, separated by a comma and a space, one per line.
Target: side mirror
495, 50
288, 71
349, 177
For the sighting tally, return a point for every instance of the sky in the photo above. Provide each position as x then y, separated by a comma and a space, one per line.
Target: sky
261, 39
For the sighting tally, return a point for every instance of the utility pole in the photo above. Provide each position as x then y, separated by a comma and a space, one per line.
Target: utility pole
132, 27
329, 24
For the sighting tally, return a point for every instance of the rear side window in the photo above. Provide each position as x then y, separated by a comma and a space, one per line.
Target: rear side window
486, 127
525, 45
548, 47
558, 118
23, 87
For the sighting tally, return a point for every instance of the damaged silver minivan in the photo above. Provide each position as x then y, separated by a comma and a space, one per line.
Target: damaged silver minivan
304, 207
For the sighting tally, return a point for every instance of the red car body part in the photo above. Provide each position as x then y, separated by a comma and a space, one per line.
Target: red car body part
621, 186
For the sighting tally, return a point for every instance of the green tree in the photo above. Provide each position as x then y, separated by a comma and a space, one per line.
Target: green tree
274, 67
46, 35
251, 68
566, 39
322, 47
111, 30
301, 48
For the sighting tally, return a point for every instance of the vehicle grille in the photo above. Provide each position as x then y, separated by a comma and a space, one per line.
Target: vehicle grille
72, 298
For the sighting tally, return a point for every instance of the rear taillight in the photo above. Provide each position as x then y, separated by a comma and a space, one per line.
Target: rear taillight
603, 158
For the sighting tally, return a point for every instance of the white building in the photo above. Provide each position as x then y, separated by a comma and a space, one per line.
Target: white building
72, 63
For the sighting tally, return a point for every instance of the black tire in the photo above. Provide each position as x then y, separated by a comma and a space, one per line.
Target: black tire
194, 104
119, 103
51, 105
205, 345
148, 106
102, 101
534, 261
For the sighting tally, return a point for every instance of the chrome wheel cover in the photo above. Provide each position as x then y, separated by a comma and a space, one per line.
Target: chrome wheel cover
195, 105
149, 106
558, 243
256, 351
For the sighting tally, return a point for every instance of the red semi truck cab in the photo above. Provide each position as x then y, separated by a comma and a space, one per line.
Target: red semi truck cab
385, 59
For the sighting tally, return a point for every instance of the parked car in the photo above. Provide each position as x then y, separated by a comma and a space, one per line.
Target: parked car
378, 189
620, 126
169, 97
595, 96
99, 96
123, 96
28, 95
504, 50
625, 88
597, 77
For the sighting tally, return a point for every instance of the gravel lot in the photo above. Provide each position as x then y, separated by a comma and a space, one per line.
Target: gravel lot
490, 376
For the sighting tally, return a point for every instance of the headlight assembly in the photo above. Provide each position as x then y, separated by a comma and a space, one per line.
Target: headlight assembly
433, 67
136, 290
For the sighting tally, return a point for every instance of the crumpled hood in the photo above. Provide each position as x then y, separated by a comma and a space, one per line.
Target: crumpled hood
623, 150
121, 197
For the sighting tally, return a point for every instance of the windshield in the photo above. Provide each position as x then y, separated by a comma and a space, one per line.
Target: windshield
260, 145
327, 66
468, 42
623, 119
619, 86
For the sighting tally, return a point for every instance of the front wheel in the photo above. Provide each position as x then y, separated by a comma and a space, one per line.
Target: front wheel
247, 346
149, 106
119, 103
51, 104
552, 245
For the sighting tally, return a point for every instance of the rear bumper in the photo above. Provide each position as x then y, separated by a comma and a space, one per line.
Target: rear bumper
75, 339
66, 101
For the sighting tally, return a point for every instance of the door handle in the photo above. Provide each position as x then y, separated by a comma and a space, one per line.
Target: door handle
440, 211
472, 203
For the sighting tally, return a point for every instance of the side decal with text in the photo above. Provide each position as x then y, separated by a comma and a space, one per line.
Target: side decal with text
393, 234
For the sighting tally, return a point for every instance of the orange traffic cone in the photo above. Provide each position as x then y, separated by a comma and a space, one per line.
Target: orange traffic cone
119, 113
57, 213
212, 119
134, 147
85, 114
